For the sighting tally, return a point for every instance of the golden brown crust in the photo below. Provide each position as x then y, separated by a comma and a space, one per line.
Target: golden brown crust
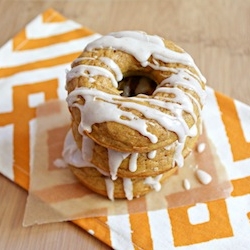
163, 161
95, 181
116, 135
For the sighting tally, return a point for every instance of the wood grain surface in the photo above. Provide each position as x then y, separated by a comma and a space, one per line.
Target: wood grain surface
215, 32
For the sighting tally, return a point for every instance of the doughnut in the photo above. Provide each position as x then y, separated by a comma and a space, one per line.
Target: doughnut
139, 123
101, 182
130, 165
138, 98
121, 188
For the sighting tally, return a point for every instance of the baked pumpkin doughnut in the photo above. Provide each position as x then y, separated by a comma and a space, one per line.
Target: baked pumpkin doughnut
101, 181
140, 123
121, 188
131, 165
135, 102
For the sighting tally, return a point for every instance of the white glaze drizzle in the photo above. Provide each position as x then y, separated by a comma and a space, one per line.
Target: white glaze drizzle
142, 46
203, 176
152, 154
79, 59
71, 154
186, 184
111, 63
89, 71
178, 158
154, 182
87, 148
115, 160
103, 107
110, 188
128, 188
133, 162
186, 79
201, 147
193, 130
180, 98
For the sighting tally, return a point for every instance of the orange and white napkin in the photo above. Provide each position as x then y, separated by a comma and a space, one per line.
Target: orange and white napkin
32, 66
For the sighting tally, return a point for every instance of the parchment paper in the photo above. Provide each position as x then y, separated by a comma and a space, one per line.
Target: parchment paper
56, 195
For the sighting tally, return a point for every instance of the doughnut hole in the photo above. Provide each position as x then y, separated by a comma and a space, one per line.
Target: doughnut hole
135, 85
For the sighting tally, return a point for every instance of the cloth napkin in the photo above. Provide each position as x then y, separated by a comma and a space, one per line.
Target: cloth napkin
31, 66
56, 195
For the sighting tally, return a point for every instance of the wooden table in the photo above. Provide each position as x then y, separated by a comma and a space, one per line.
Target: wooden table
215, 33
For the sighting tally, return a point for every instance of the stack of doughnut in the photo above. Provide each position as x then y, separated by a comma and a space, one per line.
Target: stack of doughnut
135, 101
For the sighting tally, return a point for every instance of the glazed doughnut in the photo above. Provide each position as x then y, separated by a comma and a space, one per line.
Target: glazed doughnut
131, 165
136, 102
101, 182
140, 123
121, 188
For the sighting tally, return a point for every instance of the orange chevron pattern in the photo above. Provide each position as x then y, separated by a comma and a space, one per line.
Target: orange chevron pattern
22, 42
217, 227
20, 117
179, 230
241, 186
5, 72
98, 225
141, 231
240, 148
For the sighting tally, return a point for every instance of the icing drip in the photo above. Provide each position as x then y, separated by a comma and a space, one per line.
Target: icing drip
193, 130
74, 156
133, 162
203, 176
186, 184
154, 182
128, 188
109, 62
178, 158
115, 160
71, 154
87, 148
201, 147
110, 188
152, 154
